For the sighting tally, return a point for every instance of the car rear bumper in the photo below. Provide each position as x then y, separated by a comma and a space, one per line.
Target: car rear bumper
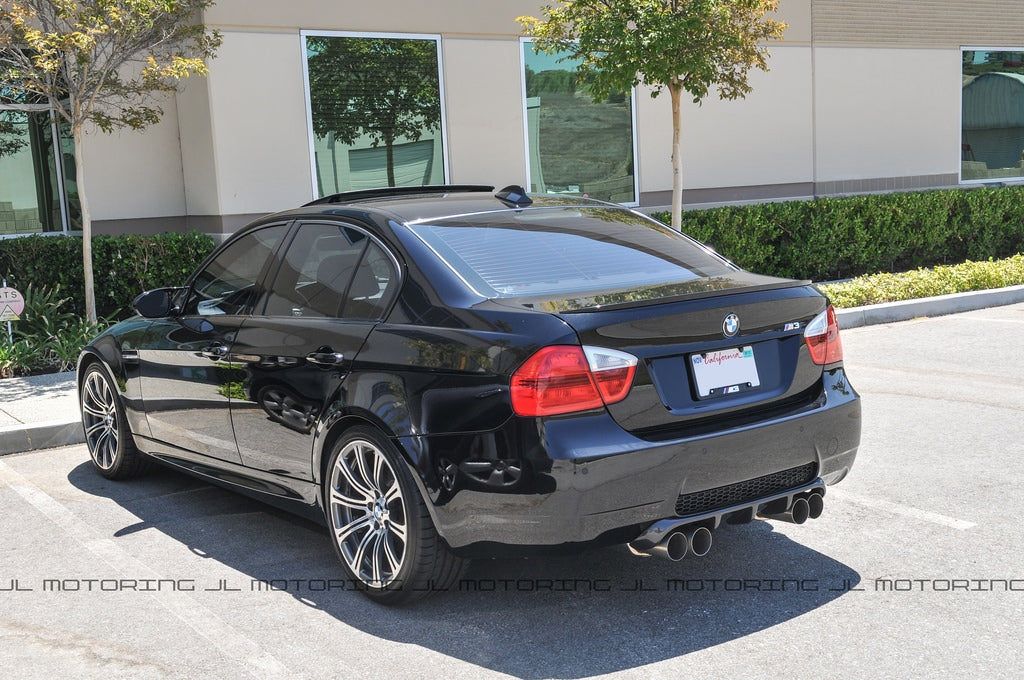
586, 480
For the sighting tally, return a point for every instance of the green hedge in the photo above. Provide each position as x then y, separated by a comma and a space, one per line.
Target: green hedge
943, 280
123, 266
836, 238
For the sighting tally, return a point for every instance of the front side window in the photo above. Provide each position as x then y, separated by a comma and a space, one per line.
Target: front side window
992, 116
228, 284
375, 111
574, 145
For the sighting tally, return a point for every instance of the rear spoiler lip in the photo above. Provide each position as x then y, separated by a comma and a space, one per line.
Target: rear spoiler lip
592, 301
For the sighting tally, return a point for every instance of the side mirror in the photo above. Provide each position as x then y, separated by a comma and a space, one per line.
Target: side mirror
155, 304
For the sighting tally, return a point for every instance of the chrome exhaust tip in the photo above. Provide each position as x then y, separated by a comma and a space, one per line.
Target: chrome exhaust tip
674, 547
815, 505
678, 544
699, 540
797, 513
800, 511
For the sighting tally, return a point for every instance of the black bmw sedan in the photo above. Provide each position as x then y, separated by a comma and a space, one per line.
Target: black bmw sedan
442, 373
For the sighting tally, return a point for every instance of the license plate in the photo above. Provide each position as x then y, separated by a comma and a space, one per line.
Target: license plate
726, 371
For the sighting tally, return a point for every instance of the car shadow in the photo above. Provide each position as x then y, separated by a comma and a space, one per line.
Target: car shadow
599, 612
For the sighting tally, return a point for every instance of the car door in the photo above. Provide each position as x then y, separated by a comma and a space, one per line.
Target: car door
334, 284
187, 376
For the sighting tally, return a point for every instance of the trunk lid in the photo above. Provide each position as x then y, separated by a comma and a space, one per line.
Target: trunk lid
692, 377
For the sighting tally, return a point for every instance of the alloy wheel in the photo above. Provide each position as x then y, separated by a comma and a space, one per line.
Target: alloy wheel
99, 417
368, 513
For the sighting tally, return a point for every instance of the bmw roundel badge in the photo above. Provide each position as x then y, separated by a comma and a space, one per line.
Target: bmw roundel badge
731, 325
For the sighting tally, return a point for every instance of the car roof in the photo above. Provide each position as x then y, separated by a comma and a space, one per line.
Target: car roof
415, 204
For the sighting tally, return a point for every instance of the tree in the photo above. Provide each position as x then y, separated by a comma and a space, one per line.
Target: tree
680, 45
386, 88
99, 63
12, 140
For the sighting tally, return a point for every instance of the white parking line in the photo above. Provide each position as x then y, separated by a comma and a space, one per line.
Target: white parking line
221, 635
905, 510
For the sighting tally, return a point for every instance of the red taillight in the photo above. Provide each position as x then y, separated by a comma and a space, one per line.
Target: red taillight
822, 336
568, 378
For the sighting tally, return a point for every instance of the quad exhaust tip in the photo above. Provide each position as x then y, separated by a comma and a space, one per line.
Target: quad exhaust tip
680, 543
802, 509
697, 540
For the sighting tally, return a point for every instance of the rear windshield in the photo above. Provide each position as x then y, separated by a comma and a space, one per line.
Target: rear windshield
544, 251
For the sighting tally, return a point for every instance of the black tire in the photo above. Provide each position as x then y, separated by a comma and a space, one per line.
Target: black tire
107, 435
379, 524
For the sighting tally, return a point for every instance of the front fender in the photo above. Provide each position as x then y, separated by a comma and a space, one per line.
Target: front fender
113, 349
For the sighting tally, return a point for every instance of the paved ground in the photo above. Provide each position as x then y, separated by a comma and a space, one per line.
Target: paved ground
914, 571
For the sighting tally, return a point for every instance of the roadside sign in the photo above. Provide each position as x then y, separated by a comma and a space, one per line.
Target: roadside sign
12, 304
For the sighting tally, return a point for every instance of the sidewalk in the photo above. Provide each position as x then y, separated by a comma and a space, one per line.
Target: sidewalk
39, 412
42, 411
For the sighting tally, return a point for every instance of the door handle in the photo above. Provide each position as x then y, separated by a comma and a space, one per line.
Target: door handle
214, 352
325, 358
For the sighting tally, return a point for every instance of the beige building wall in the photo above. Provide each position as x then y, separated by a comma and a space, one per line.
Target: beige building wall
198, 159
797, 16
484, 108
918, 23
259, 131
135, 174
862, 95
886, 112
454, 18
758, 147
763, 139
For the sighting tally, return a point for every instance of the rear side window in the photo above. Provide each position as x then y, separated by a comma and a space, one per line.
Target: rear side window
545, 251
333, 271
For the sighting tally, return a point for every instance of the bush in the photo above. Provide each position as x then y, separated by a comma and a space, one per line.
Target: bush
18, 358
834, 238
49, 336
942, 280
123, 266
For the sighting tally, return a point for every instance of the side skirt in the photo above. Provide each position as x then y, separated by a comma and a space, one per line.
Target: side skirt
292, 495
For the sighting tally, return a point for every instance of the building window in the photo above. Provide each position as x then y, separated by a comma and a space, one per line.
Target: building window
376, 114
37, 174
992, 117
574, 145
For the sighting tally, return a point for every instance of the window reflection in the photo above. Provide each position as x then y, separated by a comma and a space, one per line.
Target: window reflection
992, 134
576, 146
375, 106
32, 172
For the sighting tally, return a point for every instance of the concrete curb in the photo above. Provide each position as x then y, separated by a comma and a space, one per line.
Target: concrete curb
940, 305
47, 435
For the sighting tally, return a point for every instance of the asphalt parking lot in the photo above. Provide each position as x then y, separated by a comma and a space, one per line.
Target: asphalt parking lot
915, 569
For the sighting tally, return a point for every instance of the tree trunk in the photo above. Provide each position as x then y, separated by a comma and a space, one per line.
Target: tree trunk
675, 88
90, 292
389, 150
